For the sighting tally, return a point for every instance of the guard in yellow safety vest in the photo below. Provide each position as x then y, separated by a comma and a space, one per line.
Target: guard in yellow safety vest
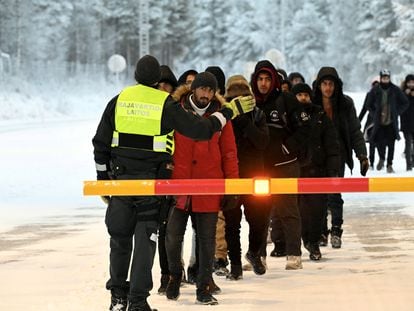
134, 140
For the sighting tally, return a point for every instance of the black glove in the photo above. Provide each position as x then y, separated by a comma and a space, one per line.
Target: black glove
102, 175
229, 202
364, 163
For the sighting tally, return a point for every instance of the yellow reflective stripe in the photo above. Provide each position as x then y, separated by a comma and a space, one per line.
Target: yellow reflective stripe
139, 110
160, 143
115, 139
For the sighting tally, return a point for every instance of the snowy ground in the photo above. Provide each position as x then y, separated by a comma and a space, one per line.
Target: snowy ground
54, 247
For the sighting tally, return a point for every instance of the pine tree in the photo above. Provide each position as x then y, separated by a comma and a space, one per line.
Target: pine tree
400, 45
306, 41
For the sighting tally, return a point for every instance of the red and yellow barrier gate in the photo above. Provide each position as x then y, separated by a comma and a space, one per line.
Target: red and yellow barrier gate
256, 186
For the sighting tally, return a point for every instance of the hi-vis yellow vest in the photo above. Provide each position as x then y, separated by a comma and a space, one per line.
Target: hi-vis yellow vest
138, 113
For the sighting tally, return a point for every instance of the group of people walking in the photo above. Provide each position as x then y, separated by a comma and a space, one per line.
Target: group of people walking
204, 126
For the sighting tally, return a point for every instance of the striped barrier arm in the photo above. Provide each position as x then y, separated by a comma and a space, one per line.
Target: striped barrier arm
256, 186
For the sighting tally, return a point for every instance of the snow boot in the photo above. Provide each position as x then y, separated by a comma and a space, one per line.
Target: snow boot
336, 233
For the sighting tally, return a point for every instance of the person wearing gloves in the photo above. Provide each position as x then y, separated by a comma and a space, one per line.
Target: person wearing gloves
135, 140
252, 137
341, 110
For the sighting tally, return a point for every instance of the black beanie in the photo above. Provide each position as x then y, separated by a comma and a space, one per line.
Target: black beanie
204, 79
147, 71
220, 77
301, 88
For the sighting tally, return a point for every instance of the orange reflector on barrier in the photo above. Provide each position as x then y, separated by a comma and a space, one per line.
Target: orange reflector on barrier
261, 186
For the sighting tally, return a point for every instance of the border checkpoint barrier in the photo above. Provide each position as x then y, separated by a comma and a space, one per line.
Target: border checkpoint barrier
255, 186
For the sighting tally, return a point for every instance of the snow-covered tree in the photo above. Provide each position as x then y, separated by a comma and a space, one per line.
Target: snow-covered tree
306, 41
400, 45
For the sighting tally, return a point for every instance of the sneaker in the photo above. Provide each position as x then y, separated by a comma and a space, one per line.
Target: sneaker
192, 274
256, 263
336, 234
140, 306
173, 288
164, 282
213, 287
118, 304
294, 263
390, 169
380, 165
204, 297
314, 251
323, 241
235, 274
220, 265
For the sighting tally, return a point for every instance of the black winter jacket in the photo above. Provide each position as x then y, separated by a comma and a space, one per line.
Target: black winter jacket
407, 117
252, 138
398, 104
323, 145
348, 127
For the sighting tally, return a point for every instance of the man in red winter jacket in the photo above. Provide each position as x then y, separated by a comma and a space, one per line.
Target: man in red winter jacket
215, 158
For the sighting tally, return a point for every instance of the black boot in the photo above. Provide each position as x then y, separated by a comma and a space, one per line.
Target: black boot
314, 251
336, 233
164, 282
204, 297
118, 303
256, 263
173, 288
236, 273
140, 306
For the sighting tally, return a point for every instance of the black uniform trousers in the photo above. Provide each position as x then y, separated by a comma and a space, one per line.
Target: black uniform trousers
133, 231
